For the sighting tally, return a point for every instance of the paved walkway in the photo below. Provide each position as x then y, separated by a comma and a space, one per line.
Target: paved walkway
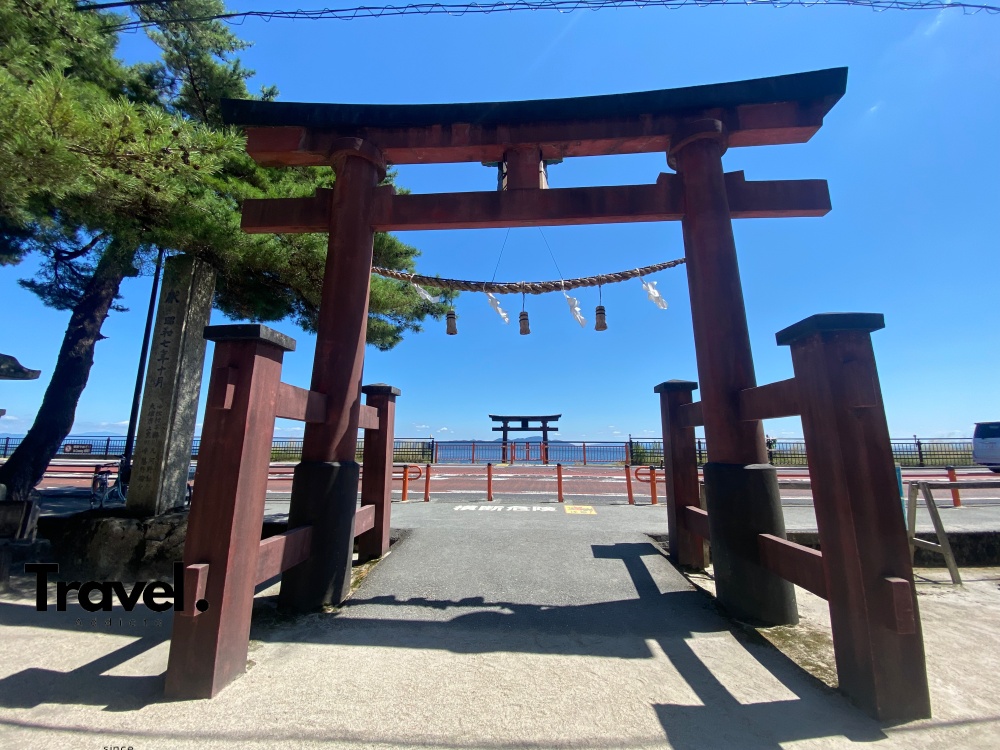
525, 626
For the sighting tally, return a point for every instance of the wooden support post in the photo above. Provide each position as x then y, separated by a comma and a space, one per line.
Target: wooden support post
376, 483
743, 502
473, 451
325, 486
584, 454
489, 482
681, 468
943, 547
559, 486
861, 528
6, 554
523, 169
208, 649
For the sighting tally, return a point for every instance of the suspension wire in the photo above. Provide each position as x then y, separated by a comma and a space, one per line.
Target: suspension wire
499, 6
501, 255
550, 253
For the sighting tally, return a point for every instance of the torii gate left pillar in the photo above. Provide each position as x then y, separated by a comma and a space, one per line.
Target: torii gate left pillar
325, 483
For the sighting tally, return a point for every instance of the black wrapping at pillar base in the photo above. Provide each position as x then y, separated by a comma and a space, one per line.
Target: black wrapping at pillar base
324, 496
744, 501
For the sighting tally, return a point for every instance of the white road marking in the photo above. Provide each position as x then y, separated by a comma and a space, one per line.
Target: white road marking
542, 508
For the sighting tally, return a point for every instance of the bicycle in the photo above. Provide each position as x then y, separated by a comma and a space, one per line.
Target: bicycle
100, 492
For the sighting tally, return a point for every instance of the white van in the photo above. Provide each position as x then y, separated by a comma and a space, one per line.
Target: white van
986, 445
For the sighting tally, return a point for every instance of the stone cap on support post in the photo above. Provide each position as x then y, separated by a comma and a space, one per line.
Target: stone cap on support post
671, 386
250, 332
381, 389
828, 323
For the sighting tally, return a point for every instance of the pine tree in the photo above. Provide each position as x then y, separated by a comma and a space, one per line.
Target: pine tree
102, 164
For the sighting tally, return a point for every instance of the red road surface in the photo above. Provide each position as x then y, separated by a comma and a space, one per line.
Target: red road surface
517, 479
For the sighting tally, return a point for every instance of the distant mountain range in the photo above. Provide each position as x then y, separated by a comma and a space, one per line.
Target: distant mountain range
535, 439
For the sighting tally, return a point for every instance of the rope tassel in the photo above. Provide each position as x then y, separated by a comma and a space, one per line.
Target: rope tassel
523, 321
452, 327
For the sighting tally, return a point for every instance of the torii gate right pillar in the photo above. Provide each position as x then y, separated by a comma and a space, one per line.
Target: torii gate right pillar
741, 489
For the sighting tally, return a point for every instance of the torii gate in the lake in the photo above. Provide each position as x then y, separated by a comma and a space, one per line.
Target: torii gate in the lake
543, 426
864, 569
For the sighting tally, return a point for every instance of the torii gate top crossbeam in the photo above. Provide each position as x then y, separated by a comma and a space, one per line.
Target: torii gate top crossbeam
763, 111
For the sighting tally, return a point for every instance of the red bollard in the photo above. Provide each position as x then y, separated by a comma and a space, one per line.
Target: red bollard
489, 482
406, 480
652, 484
427, 485
559, 481
956, 499
628, 484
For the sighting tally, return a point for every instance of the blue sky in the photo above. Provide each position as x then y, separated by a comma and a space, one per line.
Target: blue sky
910, 154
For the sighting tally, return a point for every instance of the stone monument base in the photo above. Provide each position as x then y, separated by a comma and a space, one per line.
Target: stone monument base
99, 547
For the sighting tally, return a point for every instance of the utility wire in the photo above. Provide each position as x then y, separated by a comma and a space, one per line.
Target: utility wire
108, 6
507, 6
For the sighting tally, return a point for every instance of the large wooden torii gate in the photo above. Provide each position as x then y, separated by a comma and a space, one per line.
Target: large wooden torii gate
864, 569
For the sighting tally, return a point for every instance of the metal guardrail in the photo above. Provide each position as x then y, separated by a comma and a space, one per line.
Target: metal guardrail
916, 452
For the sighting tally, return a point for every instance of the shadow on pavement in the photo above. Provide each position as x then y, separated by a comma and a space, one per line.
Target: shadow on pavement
87, 684
622, 629
618, 629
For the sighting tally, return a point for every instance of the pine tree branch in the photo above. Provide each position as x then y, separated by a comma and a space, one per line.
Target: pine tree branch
64, 256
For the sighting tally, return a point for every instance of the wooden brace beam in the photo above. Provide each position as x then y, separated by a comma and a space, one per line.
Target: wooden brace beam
690, 415
368, 418
279, 553
364, 519
780, 399
695, 520
793, 562
300, 404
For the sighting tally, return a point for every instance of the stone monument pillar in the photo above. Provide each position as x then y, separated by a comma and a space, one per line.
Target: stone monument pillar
173, 385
